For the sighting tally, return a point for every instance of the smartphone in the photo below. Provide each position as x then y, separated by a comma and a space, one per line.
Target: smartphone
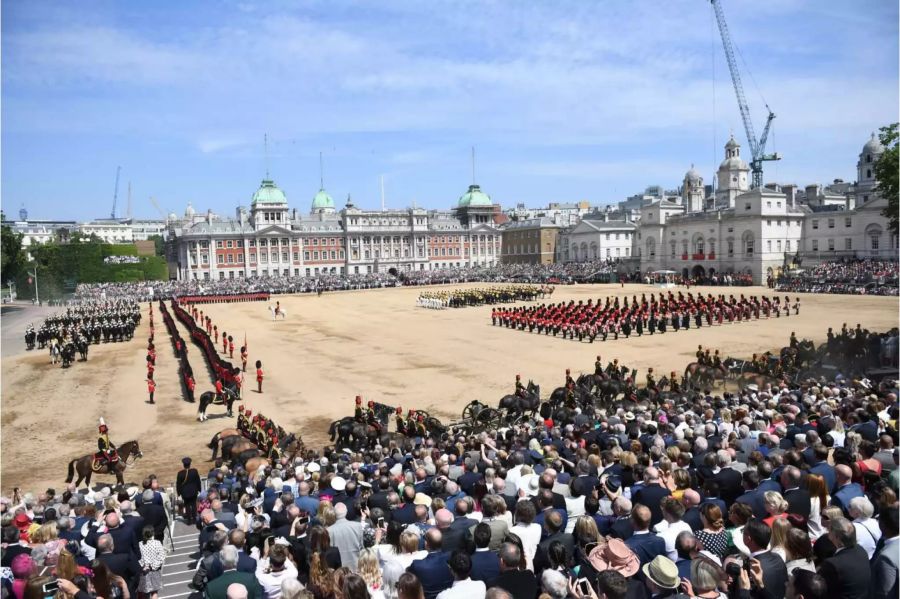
50, 588
584, 587
381, 523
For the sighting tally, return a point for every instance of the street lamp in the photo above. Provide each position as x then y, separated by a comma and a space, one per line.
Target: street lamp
37, 294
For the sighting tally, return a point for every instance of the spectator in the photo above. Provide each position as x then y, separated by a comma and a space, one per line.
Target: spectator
757, 536
867, 531
847, 572
273, 570
153, 556
218, 588
433, 569
520, 584
644, 543
713, 535
347, 536
463, 585
885, 562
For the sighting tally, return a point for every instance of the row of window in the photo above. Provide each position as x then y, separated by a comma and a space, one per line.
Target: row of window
338, 241
594, 253
848, 222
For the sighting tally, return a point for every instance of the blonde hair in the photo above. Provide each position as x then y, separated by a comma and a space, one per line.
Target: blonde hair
367, 568
775, 499
409, 541
780, 529
628, 459
326, 513
45, 533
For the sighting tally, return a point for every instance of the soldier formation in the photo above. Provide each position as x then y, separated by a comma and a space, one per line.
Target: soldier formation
500, 294
654, 314
262, 431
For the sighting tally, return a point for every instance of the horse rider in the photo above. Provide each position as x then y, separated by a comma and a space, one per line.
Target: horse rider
717, 361
274, 453
371, 420
794, 341
420, 429
707, 359
401, 422
598, 367
674, 384
107, 455
359, 413
520, 388
570, 382
220, 397
651, 380
700, 355
411, 422
241, 419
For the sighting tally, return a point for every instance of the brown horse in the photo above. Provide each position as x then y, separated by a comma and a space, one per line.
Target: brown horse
219, 437
87, 465
760, 380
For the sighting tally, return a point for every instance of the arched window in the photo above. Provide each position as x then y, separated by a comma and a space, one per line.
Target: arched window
574, 255
748, 243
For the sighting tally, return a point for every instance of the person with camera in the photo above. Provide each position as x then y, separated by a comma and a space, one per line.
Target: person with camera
773, 571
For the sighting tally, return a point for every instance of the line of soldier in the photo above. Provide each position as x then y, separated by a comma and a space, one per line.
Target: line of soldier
109, 320
499, 294
590, 320
413, 425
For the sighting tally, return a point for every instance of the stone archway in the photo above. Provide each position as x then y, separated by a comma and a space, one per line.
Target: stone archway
684, 273
698, 271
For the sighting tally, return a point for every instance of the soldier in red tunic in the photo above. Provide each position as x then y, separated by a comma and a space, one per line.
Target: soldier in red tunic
216, 332
224, 342
151, 386
259, 376
230, 346
244, 358
190, 384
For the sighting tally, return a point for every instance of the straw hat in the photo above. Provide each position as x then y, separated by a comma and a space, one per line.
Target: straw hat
662, 572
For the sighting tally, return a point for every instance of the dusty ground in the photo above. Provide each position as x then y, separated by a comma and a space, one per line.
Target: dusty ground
375, 343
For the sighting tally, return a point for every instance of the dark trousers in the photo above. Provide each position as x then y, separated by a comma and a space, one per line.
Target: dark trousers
190, 509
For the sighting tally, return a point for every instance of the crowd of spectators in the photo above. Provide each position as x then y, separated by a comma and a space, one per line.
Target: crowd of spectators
121, 260
855, 277
509, 273
772, 492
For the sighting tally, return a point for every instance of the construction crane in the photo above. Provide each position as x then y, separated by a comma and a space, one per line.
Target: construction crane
158, 209
112, 214
757, 148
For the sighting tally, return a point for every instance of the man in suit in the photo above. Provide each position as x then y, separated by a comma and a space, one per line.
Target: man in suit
847, 572
644, 543
757, 535
520, 584
132, 520
652, 494
728, 479
847, 489
433, 570
154, 515
124, 538
752, 495
187, 485
766, 482
621, 528
245, 563
553, 528
453, 538
798, 499
584, 482
210, 526
886, 562
121, 564
471, 476
405, 513
485, 563
218, 588
691, 501
490, 507
823, 468
463, 586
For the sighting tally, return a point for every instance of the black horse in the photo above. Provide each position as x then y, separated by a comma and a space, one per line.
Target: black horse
521, 405
347, 432
209, 398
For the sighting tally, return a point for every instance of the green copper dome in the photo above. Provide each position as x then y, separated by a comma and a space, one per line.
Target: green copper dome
474, 197
268, 193
322, 201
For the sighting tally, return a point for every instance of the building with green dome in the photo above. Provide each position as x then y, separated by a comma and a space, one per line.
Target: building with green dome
272, 239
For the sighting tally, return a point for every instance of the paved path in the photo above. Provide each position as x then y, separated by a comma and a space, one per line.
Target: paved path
13, 320
181, 562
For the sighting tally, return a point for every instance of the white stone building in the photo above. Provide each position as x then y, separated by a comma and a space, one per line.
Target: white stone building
108, 231
739, 230
596, 239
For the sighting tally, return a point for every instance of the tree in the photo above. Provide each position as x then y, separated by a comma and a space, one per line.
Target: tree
12, 258
886, 173
160, 244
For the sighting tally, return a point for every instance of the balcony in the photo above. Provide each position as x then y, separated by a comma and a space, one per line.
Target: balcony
711, 256
696, 256
684, 256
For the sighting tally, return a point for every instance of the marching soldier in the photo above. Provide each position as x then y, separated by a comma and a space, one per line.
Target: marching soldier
244, 358
151, 385
259, 376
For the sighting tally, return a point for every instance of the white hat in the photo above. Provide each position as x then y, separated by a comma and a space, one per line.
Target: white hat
338, 483
629, 416
397, 469
313, 467
753, 387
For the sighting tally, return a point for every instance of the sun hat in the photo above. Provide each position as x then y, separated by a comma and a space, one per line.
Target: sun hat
663, 572
338, 483
422, 499
313, 467
615, 555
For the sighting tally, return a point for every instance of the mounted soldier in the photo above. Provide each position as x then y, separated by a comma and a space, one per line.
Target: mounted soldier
520, 388
371, 418
598, 367
107, 455
401, 422
359, 413
651, 380
673, 382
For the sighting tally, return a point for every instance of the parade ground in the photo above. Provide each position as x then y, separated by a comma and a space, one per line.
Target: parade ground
374, 343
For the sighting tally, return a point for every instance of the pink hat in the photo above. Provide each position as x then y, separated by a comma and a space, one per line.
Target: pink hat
615, 555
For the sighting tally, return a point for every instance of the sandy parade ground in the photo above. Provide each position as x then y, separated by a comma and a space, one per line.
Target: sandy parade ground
375, 343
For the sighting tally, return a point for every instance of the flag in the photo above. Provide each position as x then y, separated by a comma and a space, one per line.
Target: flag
245, 342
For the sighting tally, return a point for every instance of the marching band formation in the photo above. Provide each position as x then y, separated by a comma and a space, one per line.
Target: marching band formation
656, 314
462, 298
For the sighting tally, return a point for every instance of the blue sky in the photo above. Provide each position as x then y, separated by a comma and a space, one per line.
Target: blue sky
563, 100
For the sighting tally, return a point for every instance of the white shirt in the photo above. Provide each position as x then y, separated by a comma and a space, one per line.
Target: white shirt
271, 581
464, 589
531, 536
867, 534
669, 532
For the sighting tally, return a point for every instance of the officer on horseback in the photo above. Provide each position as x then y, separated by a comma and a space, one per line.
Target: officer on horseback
107, 455
371, 420
794, 341
359, 414
420, 429
570, 382
700, 355
717, 361
520, 388
241, 419
411, 422
401, 422
598, 367
674, 384
651, 380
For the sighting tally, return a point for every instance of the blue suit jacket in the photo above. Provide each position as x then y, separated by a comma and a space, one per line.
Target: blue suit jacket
842, 496
434, 573
646, 546
756, 500
826, 471
485, 566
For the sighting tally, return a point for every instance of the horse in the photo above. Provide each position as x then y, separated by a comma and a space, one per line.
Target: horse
760, 380
209, 398
520, 405
82, 346
737, 367
276, 312
55, 353
347, 432
220, 437
87, 465
68, 354
703, 375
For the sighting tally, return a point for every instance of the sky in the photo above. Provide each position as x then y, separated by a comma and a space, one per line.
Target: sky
566, 100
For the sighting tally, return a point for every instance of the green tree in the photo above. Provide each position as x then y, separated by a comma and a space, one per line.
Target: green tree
160, 244
12, 257
887, 173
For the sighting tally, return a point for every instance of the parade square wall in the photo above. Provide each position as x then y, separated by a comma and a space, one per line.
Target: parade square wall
374, 343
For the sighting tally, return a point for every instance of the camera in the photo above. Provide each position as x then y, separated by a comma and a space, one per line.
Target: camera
733, 569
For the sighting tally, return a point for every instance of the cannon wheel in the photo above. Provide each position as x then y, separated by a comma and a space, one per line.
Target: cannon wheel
472, 409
